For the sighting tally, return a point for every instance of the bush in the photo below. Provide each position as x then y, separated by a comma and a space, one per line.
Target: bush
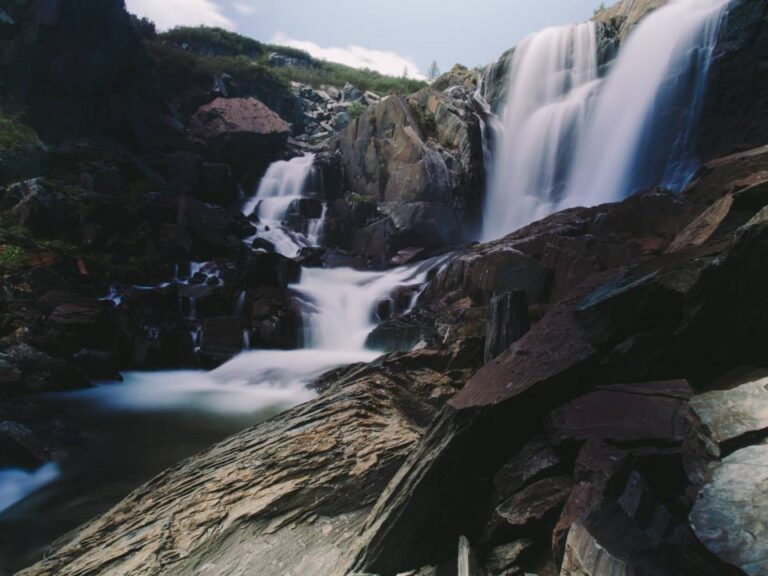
11, 257
207, 41
14, 135
356, 110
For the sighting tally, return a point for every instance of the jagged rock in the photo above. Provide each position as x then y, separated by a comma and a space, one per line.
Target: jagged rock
275, 321
702, 229
632, 535
508, 321
729, 516
533, 504
309, 477
535, 460
727, 419
493, 270
256, 269
424, 225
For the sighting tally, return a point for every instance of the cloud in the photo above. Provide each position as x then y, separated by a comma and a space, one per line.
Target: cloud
169, 13
244, 8
382, 61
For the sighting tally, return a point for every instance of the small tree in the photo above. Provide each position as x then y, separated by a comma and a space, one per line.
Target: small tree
434, 71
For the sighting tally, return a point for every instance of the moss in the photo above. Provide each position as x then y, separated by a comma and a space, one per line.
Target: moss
11, 257
14, 135
355, 197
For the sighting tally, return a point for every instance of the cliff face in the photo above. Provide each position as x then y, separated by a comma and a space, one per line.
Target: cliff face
86, 53
735, 114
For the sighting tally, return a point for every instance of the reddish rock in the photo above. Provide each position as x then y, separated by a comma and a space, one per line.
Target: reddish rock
231, 116
656, 409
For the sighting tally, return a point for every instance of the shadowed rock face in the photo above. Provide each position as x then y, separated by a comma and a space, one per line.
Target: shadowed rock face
87, 54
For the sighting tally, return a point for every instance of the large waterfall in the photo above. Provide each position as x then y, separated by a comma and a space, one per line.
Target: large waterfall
550, 79
569, 138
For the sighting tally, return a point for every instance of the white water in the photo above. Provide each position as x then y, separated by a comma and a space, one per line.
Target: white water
15, 485
552, 75
572, 139
284, 183
641, 130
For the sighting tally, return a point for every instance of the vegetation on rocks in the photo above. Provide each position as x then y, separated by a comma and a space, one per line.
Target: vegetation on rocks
14, 134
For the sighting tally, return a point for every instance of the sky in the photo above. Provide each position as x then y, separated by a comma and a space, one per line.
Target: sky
386, 35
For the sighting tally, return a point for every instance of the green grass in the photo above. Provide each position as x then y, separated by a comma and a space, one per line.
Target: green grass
14, 135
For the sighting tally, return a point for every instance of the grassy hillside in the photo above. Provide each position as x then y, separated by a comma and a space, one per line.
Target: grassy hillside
218, 43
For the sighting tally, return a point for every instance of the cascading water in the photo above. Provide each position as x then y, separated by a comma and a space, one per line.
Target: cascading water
641, 131
552, 75
569, 138
284, 184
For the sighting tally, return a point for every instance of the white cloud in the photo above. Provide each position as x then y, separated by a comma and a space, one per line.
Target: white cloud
169, 13
380, 60
244, 8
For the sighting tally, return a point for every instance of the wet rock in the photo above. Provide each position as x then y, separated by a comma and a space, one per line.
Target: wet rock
424, 225
401, 334
275, 320
535, 503
493, 271
375, 242
729, 516
220, 340
256, 269
508, 321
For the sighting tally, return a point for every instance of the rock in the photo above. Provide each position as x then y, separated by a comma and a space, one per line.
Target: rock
25, 370
733, 119
311, 475
43, 212
400, 334
535, 459
375, 242
98, 365
109, 181
424, 225
632, 535
702, 229
275, 320
729, 516
351, 93
241, 132
221, 339
727, 419
554, 348
508, 321
535, 503
657, 409
345, 218
502, 559
495, 270
257, 269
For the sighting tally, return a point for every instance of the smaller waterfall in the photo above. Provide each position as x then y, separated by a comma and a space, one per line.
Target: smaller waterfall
285, 183
641, 131
552, 77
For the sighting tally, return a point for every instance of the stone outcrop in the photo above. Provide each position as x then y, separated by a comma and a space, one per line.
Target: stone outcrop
301, 482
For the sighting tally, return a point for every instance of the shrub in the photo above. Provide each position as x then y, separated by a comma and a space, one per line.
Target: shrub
356, 110
11, 257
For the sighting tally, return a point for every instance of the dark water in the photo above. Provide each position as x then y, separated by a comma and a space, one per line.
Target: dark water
132, 432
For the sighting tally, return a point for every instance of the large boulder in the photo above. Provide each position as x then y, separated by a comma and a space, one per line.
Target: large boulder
241, 132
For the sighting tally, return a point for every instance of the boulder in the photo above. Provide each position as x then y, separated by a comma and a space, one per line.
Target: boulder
241, 132
725, 420
258, 269
221, 338
729, 516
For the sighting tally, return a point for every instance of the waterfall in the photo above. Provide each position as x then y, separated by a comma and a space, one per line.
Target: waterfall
641, 131
551, 78
282, 186
570, 138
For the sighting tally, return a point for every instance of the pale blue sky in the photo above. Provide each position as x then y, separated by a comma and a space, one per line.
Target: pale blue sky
472, 32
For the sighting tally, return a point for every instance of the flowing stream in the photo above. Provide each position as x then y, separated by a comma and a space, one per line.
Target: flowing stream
570, 138
151, 420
